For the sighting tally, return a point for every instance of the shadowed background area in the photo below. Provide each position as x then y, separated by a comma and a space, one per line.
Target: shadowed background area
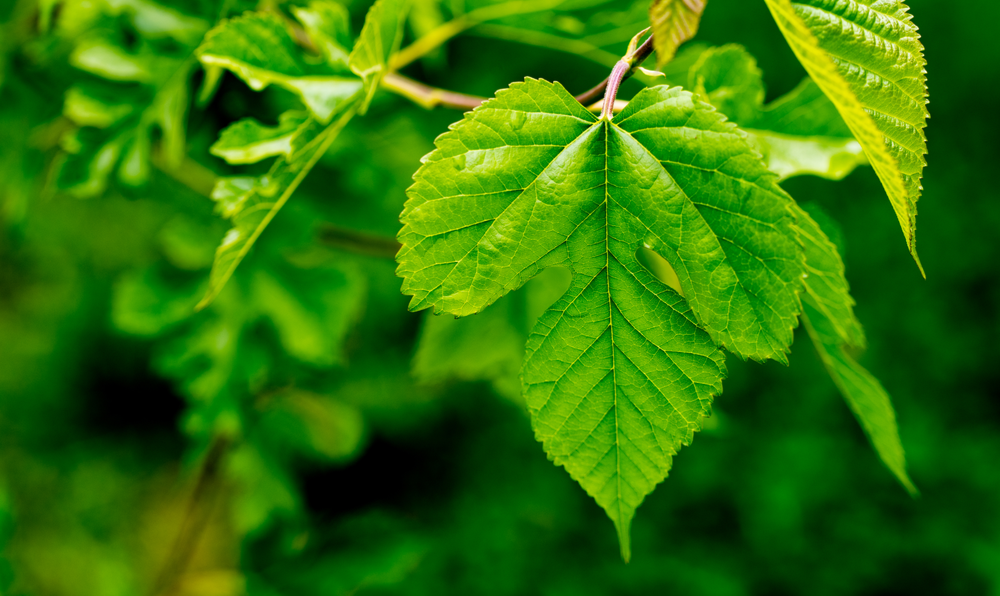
304, 436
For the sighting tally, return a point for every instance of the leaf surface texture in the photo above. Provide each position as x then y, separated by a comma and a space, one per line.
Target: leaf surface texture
621, 370
867, 58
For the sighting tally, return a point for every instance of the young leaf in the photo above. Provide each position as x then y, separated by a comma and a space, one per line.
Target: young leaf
258, 48
379, 40
828, 312
867, 57
621, 370
247, 141
674, 22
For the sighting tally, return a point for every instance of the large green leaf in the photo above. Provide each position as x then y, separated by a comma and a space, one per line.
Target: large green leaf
621, 370
673, 22
867, 57
258, 48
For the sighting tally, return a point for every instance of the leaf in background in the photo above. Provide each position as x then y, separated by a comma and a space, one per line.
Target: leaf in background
595, 29
799, 133
490, 345
674, 22
789, 155
258, 48
248, 141
329, 27
621, 370
312, 309
728, 78
312, 425
828, 312
825, 284
251, 203
867, 58
137, 90
803, 111
379, 40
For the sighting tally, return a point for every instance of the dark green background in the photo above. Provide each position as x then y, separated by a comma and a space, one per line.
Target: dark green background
451, 494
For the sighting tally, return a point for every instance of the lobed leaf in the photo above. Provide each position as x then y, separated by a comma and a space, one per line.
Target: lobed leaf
621, 370
673, 22
867, 58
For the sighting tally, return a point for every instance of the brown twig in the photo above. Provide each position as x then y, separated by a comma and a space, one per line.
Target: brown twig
199, 511
597, 92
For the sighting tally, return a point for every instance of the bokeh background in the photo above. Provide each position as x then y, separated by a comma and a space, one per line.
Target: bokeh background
145, 449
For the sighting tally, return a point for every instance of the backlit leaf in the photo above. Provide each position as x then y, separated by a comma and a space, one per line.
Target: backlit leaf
867, 57
620, 372
674, 22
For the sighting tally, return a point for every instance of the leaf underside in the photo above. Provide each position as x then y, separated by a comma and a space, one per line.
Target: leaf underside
867, 57
620, 371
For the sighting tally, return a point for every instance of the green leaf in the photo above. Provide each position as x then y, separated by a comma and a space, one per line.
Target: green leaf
864, 394
312, 425
674, 22
825, 284
595, 29
379, 40
728, 78
621, 370
251, 203
800, 133
312, 321
329, 27
248, 141
804, 111
867, 58
490, 345
258, 48
789, 155
828, 312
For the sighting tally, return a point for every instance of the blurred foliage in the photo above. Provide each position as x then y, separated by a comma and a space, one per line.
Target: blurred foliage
305, 434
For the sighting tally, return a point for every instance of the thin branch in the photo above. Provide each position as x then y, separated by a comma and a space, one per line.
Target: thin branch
427, 96
444, 32
597, 92
358, 242
198, 513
